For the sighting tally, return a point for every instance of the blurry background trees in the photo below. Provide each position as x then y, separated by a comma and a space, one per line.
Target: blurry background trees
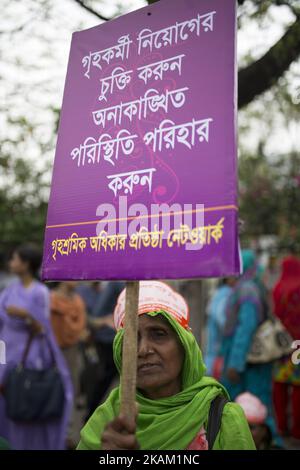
35, 37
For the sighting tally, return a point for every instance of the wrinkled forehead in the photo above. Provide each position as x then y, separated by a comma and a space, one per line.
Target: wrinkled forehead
149, 323
146, 320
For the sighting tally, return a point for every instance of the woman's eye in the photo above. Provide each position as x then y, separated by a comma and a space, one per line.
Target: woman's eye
159, 333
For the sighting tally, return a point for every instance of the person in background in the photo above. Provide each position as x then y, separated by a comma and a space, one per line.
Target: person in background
24, 309
102, 326
68, 319
6, 277
286, 375
216, 319
271, 273
90, 292
244, 314
256, 414
92, 371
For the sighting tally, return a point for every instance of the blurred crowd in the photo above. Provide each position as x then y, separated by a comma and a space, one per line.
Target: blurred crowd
252, 321
71, 321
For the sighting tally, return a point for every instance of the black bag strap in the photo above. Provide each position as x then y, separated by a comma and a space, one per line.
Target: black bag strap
27, 347
30, 338
214, 419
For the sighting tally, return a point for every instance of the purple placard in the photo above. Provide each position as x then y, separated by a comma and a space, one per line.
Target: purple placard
144, 183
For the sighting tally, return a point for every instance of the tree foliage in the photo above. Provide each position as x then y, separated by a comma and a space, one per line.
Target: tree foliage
270, 197
29, 106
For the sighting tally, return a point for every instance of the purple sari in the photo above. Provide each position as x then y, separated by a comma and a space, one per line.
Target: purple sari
14, 332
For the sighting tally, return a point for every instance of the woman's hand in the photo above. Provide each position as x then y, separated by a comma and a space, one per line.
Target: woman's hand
33, 324
35, 327
16, 311
119, 434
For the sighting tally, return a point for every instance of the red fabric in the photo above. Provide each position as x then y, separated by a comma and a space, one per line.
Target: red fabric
218, 367
280, 401
281, 404
286, 296
296, 411
200, 441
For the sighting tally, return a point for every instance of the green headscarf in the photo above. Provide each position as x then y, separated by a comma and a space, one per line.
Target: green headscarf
168, 423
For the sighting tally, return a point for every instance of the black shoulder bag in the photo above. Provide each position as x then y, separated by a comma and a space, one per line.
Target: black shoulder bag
32, 394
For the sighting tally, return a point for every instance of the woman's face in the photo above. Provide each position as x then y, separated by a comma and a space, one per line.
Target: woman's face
17, 265
160, 358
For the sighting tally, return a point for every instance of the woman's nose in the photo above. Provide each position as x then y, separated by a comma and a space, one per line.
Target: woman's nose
144, 347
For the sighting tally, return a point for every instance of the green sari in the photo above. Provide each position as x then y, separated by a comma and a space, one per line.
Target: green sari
172, 423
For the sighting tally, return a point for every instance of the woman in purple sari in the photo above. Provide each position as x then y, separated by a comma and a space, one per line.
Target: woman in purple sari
24, 309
